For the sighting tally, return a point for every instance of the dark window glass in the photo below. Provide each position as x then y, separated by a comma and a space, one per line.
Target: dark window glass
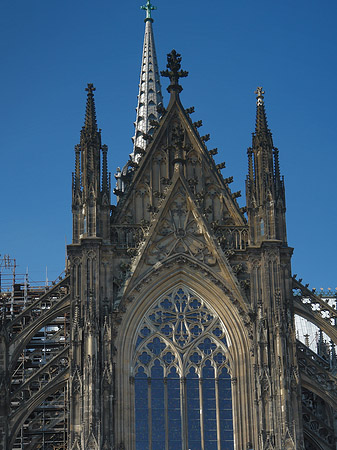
193, 410
182, 387
157, 407
174, 410
209, 406
141, 410
225, 407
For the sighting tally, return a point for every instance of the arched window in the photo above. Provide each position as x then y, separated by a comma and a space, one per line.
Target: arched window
262, 227
182, 385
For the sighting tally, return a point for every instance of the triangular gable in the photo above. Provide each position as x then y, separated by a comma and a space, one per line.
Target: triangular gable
92, 443
289, 443
176, 137
180, 228
76, 445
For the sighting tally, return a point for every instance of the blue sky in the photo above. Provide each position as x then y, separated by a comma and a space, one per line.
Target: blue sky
51, 50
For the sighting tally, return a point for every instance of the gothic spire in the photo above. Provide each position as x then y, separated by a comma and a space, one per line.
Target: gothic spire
91, 180
150, 96
265, 187
90, 124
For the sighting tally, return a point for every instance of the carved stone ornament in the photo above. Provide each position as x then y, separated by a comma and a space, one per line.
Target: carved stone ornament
180, 233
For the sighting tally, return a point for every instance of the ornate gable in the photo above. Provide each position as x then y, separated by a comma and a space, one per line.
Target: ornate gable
180, 228
176, 140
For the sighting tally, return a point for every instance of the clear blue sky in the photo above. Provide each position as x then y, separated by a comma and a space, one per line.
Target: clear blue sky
51, 50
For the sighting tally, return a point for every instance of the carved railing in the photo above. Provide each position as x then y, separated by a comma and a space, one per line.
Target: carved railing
317, 383
315, 309
306, 352
314, 370
232, 237
318, 428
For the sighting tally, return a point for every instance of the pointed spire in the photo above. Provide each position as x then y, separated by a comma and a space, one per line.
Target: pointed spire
264, 187
150, 95
90, 124
91, 180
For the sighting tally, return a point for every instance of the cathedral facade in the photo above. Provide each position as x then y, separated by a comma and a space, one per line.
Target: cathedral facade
174, 327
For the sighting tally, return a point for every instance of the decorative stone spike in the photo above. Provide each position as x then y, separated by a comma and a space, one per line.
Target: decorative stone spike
174, 72
161, 110
190, 110
221, 166
236, 194
197, 124
154, 123
206, 137
213, 151
229, 180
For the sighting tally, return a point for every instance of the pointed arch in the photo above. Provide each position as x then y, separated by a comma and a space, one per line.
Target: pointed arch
238, 350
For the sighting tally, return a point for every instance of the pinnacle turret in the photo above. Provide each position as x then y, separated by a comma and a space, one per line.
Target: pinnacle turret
150, 96
265, 187
91, 180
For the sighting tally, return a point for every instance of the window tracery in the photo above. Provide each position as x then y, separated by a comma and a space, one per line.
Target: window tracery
181, 368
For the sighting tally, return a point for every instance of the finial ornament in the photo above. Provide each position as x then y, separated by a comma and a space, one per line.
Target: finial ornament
148, 8
259, 95
174, 71
90, 89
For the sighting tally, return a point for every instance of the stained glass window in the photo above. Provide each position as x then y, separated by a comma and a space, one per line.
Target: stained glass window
182, 385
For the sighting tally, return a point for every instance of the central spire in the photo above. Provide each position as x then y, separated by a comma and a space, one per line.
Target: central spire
150, 96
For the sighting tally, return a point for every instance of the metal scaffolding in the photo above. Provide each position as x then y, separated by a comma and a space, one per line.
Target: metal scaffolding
37, 356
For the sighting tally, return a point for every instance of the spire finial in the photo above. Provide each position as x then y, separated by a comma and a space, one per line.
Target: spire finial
261, 127
90, 113
259, 95
174, 73
90, 89
148, 8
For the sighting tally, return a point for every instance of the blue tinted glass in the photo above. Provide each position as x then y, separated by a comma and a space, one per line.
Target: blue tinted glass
141, 411
174, 411
193, 411
157, 407
181, 317
225, 407
209, 406
156, 346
